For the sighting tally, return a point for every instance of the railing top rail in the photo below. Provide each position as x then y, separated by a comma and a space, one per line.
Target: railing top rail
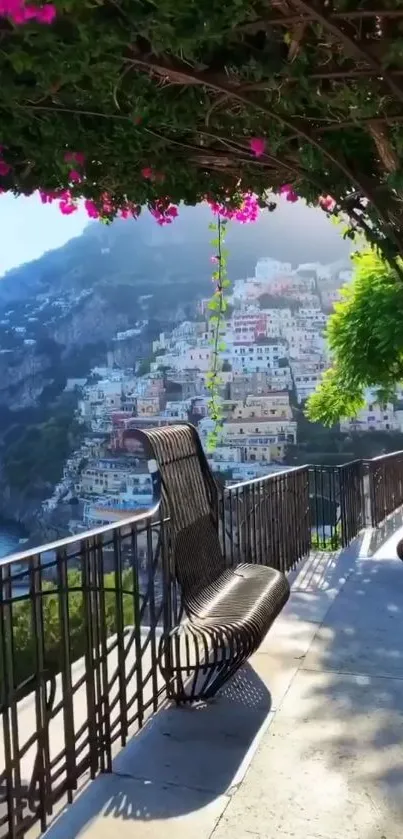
265, 478
60, 544
387, 456
335, 465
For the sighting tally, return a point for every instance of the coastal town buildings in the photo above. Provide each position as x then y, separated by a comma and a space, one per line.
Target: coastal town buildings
273, 356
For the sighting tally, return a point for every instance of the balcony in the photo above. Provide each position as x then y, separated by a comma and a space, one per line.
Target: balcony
307, 738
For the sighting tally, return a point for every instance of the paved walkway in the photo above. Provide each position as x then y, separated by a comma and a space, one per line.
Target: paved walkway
307, 741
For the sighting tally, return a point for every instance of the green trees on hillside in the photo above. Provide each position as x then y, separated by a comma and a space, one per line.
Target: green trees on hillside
36, 456
365, 336
25, 641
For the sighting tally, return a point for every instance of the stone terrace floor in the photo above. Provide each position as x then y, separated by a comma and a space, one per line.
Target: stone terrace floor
306, 742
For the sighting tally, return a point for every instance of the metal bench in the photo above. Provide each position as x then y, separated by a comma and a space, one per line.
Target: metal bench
228, 610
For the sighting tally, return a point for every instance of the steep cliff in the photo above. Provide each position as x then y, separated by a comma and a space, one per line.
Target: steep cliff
90, 322
23, 376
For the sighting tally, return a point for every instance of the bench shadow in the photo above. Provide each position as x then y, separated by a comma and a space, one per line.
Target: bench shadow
184, 760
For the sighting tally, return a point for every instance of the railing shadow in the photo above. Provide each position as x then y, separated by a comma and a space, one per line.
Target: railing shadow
346, 709
325, 570
183, 760
385, 531
332, 762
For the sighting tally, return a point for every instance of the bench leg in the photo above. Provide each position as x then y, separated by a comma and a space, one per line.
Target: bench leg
196, 661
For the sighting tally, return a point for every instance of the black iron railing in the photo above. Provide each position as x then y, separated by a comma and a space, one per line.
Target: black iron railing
267, 520
79, 632
337, 504
80, 621
385, 485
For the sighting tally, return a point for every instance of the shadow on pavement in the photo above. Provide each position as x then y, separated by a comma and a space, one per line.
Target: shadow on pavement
185, 759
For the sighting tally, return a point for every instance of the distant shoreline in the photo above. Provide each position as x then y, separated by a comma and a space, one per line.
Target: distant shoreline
11, 534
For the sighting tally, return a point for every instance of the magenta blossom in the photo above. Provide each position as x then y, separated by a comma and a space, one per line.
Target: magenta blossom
91, 209
19, 12
4, 167
46, 14
163, 211
246, 213
288, 192
257, 145
147, 172
75, 177
74, 157
67, 207
327, 203
28, 13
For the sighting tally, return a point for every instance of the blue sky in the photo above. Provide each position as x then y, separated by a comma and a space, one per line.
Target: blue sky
28, 228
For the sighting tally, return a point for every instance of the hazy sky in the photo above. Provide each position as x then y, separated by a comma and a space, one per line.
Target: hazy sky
28, 228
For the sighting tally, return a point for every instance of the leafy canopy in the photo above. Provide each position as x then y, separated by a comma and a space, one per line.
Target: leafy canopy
153, 103
365, 336
130, 104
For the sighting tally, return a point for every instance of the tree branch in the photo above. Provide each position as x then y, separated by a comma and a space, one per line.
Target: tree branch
352, 46
161, 66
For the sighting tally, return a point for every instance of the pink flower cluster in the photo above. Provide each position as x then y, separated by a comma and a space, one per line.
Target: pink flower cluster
68, 204
4, 166
288, 192
257, 145
151, 175
327, 203
91, 209
246, 213
75, 158
20, 12
163, 211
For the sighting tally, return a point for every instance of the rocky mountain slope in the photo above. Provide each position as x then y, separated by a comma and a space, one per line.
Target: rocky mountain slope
60, 314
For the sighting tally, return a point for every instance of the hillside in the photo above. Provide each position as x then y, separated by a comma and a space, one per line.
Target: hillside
60, 313
59, 316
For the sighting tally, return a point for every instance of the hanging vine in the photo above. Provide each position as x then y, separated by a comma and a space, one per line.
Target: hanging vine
217, 306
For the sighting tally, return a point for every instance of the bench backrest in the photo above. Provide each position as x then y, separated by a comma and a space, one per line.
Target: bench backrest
190, 497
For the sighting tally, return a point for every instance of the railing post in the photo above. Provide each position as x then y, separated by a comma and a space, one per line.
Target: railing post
385, 485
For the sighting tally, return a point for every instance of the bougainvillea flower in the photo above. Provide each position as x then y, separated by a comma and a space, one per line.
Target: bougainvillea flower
257, 146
